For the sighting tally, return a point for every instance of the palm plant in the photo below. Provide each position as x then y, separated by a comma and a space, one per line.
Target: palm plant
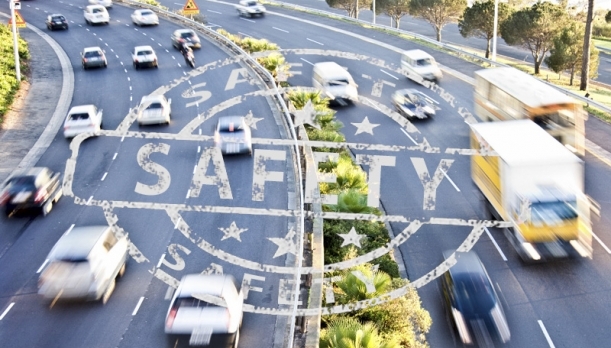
354, 289
347, 332
352, 201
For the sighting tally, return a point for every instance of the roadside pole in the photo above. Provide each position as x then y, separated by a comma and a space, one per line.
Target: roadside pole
14, 5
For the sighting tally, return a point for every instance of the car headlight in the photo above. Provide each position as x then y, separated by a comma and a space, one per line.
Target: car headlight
501, 324
461, 325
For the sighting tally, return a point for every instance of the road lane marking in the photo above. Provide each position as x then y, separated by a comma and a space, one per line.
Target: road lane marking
286, 31
89, 200
389, 74
138, 306
495, 244
601, 243
42, 266
68, 230
104, 176
188, 193
195, 168
115, 156
213, 11
169, 293
248, 20
160, 260
549, 340
306, 61
450, 180
316, 42
410, 138
6, 310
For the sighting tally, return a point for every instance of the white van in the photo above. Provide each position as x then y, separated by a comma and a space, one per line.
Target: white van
335, 82
420, 63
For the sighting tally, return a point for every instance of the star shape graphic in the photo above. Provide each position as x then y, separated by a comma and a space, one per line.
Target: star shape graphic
232, 231
251, 121
351, 238
306, 115
285, 245
364, 127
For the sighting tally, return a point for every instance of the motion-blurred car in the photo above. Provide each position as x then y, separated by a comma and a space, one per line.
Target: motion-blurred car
250, 8
36, 188
232, 135
154, 109
145, 17
471, 302
412, 103
188, 35
92, 57
105, 3
82, 119
208, 308
95, 14
56, 21
84, 264
144, 56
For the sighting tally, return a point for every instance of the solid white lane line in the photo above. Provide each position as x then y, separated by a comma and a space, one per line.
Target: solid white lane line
450, 180
496, 245
138, 306
160, 260
6, 310
549, 340
104, 176
214, 11
601, 243
394, 77
410, 138
316, 42
42, 266
307, 61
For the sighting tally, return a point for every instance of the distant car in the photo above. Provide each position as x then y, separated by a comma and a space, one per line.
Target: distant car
105, 3
208, 308
82, 119
144, 56
36, 188
56, 21
154, 109
95, 14
84, 264
412, 103
188, 35
145, 17
250, 8
93, 57
471, 302
232, 135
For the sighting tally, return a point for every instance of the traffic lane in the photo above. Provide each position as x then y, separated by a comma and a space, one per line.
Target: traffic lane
596, 186
597, 131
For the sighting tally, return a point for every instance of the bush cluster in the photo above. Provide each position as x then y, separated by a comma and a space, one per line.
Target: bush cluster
8, 78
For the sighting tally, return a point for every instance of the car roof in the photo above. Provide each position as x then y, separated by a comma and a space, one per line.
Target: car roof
210, 284
91, 7
56, 14
333, 69
180, 31
224, 121
417, 54
81, 108
467, 262
142, 48
151, 98
91, 49
77, 244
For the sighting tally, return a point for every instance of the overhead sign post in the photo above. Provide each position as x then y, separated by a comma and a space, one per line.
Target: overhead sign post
16, 21
190, 8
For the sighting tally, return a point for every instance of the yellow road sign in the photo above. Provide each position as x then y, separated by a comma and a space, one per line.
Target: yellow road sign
19, 20
190, 7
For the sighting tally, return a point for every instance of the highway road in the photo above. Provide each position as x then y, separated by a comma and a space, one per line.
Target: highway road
193, 212
556, 304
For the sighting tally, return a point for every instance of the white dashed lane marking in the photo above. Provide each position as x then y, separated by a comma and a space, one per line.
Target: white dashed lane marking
6, 310
138, 306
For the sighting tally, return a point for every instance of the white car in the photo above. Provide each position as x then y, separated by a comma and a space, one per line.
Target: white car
232, 135
144, 55
145, 17
208, 308
95, 14
250, 8
105, 3
154, 109
82, 119
84, 264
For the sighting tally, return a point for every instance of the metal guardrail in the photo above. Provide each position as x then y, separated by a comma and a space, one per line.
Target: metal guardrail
439, 45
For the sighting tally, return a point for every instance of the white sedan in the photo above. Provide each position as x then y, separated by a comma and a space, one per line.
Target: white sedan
154, 109
145, 17
82, 119
105, 3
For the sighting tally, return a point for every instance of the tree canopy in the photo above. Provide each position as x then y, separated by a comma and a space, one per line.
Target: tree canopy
394, 9
350, 6
534, 28
438, 12
478, 21
608, 17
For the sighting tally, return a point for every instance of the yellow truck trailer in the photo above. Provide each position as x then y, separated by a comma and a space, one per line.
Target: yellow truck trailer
534, 182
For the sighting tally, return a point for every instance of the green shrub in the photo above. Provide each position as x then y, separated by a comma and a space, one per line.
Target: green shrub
8, 77
348, 176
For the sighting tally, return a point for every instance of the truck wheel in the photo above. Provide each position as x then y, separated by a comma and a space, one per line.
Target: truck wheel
122, 271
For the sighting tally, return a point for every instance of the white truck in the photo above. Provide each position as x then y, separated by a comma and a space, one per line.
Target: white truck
250, 8
537, 185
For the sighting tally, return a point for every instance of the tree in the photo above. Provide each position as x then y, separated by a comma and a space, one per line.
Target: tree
517, 4
478, 20
350, 6
394, 9
587, 40
534, 28
608, 17
347, 332
438, 12
567, 52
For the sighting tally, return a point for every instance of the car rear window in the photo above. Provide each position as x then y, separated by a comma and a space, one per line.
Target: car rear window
144, 53
80, 116
225, 126
22, 183
155, 106
58, 18
91, 54
192, 302
186, 35
146, 13
97, 10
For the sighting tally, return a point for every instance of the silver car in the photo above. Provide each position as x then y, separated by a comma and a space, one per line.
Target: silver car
412, 103
92, 57
208, 308
84, 264
232, 135
154, 109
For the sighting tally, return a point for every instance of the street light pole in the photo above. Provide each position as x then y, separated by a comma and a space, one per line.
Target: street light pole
15, 42
496, 23
374, 11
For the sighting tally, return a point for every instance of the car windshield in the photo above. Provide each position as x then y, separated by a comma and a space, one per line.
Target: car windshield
91, 54
79, 116
474, 293
144, 53
338, 82
424, 62
553, 212
22, 183
252, 3
155, 106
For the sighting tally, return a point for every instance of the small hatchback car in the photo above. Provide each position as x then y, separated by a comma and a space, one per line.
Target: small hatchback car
56, 21
144, 55
93, 57
232, 135
36, 188
471, 302
84, 264
154, 109
82, 119
208, 308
